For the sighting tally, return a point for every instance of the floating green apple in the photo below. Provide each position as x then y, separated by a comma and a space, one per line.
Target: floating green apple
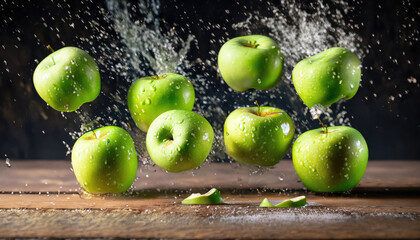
253, 61
105, 160
67, 78
327, 77
179, 140
149, 97
294, 202
330, 159
211, 197
258, 135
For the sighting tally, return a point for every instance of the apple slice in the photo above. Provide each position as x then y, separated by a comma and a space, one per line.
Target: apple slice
294, 202
298, 201
266, 203
211, 197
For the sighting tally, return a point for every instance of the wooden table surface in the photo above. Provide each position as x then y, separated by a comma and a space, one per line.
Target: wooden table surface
43, 199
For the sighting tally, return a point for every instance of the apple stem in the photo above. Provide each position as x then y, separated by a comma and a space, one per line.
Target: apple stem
256, 44
323, 125
49, 47
259, 108
94, 133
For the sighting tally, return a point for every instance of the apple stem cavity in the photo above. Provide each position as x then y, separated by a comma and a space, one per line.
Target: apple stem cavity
169, 142
157, 77
97, 134
323, 125
250, 44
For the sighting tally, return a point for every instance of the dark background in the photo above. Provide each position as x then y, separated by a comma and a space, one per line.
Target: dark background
385, 109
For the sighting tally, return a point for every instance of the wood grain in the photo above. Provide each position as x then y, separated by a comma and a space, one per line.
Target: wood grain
69, 215
42, 199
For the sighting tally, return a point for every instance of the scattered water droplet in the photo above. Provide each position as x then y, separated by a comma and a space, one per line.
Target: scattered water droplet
7, 162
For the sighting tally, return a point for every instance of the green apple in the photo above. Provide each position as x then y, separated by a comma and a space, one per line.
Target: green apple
67, 78
330, 159
294, 202
211, 197
258, 135
253, 61
149, 97
105, 160
179, 140
327, 77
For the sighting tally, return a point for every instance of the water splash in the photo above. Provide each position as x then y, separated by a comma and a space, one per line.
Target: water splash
147, 45
144, 39
302, 33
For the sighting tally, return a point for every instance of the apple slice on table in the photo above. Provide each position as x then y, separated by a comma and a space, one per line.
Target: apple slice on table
330, 159
258, 135
266, 203
105, 160
67, 78
253, 61
211, 197
148, 97
327, 77
294, 202
179, 140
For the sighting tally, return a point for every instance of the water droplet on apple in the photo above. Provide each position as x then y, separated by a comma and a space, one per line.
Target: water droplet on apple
259, 81
286, 128
205, 136
147, 101
351, 85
